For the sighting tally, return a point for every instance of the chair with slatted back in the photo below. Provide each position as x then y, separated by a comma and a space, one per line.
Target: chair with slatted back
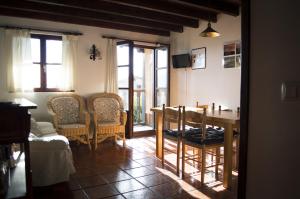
236, 134
201, 105
202, 138
171, 116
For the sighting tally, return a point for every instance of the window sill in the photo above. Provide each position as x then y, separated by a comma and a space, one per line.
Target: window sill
51, 90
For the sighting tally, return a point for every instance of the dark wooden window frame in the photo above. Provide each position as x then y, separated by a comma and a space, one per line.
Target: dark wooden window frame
43, 63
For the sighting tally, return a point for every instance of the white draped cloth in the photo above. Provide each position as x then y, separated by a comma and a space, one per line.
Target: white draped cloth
69, 61
111, 84
16, 47
50, 155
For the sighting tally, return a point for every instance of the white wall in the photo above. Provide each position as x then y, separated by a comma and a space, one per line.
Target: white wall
274, 133
213, 84
89, 75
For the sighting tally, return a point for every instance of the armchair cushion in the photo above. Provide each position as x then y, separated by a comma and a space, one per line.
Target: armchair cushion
66, 109
109, 123
41, 128
71, 126
107, 109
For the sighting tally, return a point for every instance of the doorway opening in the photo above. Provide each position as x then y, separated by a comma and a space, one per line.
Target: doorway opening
143, 81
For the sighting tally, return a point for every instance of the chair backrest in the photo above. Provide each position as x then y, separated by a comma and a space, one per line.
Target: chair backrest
201, 105
170, 117
107, 106
194, 119
67, 107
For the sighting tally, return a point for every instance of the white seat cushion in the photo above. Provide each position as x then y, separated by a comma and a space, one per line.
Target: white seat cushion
49, 142
108, 123
41, 128
67, 126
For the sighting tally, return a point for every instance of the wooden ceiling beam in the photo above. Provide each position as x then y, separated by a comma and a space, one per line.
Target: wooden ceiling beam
123, 10
54, 9
15, 12
216, 6
169, 7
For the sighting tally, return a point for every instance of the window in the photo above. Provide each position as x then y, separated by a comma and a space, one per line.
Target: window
46, 52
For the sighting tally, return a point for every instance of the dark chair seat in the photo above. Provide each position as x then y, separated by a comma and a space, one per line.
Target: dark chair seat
173, 133
235, 132
213, 136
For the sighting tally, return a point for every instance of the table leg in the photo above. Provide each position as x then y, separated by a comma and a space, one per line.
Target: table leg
228, 156
158, 122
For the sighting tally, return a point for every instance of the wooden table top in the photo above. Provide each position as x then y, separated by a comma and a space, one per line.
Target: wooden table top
223, 115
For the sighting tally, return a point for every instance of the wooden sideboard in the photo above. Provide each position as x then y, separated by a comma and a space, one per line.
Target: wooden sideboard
15, 128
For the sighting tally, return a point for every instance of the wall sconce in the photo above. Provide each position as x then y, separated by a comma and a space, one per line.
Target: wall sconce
95, 53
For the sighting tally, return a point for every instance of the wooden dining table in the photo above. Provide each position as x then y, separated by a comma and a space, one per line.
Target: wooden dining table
227, 119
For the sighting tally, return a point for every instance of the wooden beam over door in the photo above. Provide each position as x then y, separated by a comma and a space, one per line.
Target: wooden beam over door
99, 16
124, 10
78, 20
169, 7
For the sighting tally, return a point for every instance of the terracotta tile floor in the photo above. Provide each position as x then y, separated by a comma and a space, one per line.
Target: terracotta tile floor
133, 172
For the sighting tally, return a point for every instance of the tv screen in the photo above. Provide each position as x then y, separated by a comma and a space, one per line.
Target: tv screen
181, 61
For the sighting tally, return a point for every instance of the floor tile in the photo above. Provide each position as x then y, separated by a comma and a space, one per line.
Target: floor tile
104, 169
91, 181
136, 172
79, 194
116, 176
101, 191
83, 173
141, 171
141, 194
147, 161
128, 185
138, 155
152, 180
116, 197
74, 184
129, 165
184, 195
167, 190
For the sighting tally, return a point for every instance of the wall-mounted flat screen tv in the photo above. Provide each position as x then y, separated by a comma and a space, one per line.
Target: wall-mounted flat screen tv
181, 61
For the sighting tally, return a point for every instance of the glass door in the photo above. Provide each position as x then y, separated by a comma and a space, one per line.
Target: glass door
161, 95
125, 79
143, 85
143, 82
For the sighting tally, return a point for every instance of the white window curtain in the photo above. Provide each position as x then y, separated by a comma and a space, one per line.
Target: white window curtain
111, 85
18, 60
69, 60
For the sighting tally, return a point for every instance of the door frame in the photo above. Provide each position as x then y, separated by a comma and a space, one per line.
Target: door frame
245, 96
129, 123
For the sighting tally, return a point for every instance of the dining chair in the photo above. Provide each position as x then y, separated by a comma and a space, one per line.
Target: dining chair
171, 117
201, 105
236, 137
205, 139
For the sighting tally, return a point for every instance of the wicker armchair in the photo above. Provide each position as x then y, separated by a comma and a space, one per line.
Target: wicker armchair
70, 117
109, 116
